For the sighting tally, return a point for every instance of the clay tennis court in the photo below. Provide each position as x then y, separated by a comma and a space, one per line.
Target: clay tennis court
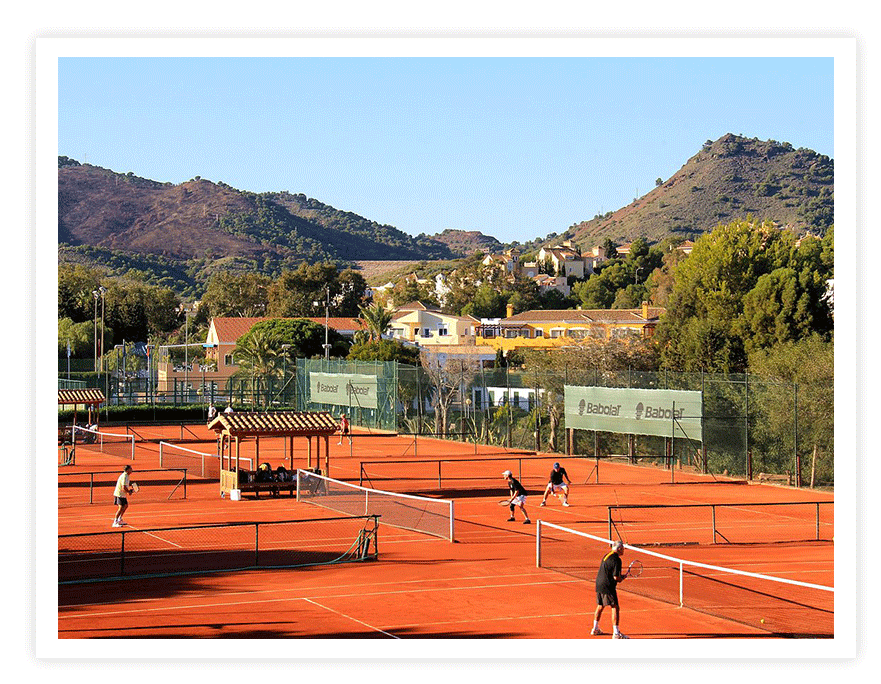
486, 584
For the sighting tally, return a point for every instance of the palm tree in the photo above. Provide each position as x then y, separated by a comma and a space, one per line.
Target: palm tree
377, 318
258, 355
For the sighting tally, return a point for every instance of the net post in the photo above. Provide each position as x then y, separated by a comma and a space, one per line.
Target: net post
681, 588
256, 545
714, 522
538, 543
609, 511
91, 486
452, 521
818, 521
298, 484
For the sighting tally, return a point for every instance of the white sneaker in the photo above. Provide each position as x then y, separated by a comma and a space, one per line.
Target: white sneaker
115, 524
596, 631
566, 504
620, 635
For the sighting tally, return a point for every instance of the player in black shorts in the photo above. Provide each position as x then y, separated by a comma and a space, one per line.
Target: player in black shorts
555, 484
518, 496
608, 578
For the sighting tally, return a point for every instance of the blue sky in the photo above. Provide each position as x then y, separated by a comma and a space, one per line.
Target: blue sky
514, 147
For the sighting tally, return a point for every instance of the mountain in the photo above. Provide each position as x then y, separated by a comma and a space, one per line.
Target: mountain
732, 177
178, 235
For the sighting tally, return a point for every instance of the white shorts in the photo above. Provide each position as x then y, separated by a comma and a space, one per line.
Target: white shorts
557, 488
519, 500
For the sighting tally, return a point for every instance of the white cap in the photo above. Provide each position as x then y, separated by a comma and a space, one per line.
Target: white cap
507, 473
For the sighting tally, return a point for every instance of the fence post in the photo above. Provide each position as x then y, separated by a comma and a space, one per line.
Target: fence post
256, 545
122, 555
538, 543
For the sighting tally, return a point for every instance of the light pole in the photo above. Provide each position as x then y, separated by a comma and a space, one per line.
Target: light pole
326, 317
284, 370
95, 296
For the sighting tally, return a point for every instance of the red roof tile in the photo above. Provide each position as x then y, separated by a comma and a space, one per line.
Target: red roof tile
293, 423
89, 395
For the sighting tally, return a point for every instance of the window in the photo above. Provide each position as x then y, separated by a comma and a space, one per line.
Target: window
442, 330
538, 333
426, 332
227, 360
557, 332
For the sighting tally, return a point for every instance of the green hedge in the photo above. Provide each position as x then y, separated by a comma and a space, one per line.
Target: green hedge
144, 413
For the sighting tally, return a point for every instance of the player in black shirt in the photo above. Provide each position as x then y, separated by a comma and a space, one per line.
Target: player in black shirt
518, 496
608, 578
555, 484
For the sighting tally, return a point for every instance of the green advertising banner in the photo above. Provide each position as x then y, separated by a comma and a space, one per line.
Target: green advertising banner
658, 412
343, 389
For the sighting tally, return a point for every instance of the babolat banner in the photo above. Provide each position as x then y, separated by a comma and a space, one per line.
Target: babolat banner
343, 389
631, 411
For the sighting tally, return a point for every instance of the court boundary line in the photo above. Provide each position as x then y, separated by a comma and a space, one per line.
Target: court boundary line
349, 617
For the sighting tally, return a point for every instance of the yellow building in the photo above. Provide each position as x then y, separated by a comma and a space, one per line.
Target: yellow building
546, 329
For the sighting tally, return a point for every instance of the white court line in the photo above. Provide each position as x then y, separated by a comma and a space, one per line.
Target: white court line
149, 534
130, 611
377, 629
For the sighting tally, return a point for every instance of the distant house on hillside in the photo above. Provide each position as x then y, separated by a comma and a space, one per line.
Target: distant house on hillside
416, 323
566, 327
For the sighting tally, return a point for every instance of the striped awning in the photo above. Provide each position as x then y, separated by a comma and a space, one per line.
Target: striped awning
279, 423
89, 395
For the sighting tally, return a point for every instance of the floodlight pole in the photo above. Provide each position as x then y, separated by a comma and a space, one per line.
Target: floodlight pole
326, 320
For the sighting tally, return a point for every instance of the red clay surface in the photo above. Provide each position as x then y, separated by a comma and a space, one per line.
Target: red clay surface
486, 585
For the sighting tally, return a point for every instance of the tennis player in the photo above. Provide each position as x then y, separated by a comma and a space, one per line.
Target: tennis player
556, 484
120, 496
608, 578
518, 496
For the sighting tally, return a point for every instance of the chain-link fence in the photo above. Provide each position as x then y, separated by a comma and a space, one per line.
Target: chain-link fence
752, 428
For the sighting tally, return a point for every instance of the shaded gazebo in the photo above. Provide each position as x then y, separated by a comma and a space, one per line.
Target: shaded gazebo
90, 397
232, 428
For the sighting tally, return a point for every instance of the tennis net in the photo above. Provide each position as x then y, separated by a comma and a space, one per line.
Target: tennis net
781, 606
722, 523
417, 513
434, 474
197, 463
228, 547
105, 442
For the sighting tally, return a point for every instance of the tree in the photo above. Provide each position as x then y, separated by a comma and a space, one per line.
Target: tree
487, 302
304, 338
258, 356
377, 318
448, 375
303, 292
808, 363
236, 294
700, 330
384, 350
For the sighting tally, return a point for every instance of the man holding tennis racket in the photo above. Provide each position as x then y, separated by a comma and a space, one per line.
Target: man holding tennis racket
124, 487
518, 497
556, 484
608, 578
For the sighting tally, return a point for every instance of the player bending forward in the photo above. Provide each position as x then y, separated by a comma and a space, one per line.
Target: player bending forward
518, 496
608, 578
555, 484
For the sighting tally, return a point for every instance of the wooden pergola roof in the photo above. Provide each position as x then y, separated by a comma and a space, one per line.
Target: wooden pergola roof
277, 424
90, 396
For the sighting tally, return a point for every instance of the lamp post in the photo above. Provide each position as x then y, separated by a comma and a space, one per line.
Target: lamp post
326, 317
95, 296
284, 370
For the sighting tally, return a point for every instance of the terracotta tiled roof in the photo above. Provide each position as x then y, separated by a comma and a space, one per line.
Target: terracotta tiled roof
295, 423
585, 315
230, 329
89, 395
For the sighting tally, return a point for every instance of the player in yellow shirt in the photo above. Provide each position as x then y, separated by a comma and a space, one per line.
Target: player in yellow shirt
120, 496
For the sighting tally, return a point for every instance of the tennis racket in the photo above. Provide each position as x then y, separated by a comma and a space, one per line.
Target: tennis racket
135, 488
505, 502
634, 569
